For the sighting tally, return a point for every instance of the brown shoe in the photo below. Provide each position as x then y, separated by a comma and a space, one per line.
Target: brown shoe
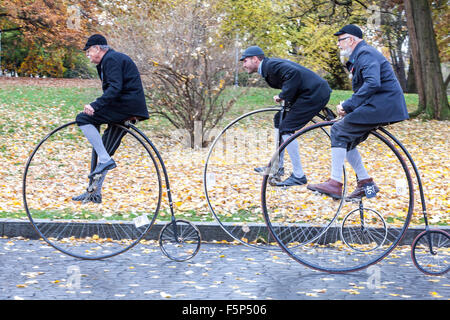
360, 192
331, 187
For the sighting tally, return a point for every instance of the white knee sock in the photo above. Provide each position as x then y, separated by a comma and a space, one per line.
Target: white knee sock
92, 134
292, 149
355, 160
337, 163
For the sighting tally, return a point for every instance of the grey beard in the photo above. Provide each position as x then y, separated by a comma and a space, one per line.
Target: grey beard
346, 53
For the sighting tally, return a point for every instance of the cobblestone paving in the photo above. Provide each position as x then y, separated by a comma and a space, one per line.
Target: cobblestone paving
31, 269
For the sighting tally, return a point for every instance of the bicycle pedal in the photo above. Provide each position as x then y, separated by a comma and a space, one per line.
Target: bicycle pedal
274, 180
86, 200
353, 200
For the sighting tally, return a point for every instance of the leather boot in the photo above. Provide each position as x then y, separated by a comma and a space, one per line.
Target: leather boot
359, 192
331, 187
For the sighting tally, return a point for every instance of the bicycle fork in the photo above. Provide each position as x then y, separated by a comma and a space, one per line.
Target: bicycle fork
361, 216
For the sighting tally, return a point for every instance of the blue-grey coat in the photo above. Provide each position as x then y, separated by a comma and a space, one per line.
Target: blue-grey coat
378, 96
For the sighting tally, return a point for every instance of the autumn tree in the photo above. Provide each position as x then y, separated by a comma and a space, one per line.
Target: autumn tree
425, 55
393, 32
185, 65
49, 21
49, 30
301, 31
441, 22
14, 51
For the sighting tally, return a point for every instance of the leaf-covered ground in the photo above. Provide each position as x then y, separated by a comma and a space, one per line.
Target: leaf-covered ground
30, 108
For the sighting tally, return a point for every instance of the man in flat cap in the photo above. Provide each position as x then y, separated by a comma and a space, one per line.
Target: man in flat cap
303, 91
377, 100
123, 98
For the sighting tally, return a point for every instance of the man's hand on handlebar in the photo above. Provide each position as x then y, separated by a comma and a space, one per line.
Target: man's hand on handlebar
88, 109
277, 99
340, 111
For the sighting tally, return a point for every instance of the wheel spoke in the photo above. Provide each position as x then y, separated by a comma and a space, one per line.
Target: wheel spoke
57, 170
186, 246
335, 235
432, 264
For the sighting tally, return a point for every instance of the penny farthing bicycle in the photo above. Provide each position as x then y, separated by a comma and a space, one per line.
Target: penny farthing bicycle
231, 185
343, 235
113, 212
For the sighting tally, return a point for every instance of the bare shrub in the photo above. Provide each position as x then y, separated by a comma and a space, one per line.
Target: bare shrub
185, 64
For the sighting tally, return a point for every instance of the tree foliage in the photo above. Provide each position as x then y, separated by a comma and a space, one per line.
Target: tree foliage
39, 37
184, 63
49, 21
441, 21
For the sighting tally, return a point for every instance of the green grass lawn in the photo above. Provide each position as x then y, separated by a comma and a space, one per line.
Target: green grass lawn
262, 97
35, 110
70, 101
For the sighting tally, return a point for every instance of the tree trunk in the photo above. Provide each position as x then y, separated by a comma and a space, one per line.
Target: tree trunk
425, 56
411, 81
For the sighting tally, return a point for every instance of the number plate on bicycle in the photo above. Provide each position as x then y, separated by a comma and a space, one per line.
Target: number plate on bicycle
370, 191
141, 221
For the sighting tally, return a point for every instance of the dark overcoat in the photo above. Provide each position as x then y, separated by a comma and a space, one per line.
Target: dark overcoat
305, 91
378, 96
123, 93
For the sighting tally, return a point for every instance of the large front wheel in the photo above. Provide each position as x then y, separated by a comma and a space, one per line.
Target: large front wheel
84, 219
330, 234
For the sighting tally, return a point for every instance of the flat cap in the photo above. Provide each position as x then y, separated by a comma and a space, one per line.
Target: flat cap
350, 29
251, 52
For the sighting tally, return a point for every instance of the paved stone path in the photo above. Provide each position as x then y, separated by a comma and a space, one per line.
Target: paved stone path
31, 269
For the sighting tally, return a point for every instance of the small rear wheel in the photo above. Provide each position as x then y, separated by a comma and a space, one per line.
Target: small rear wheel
180, 240
430, 252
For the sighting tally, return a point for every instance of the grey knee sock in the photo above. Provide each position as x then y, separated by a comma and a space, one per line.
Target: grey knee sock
92, 134
337, 162
355, 160
292, 149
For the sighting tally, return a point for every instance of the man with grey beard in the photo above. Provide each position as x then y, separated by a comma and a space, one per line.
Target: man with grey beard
377, 100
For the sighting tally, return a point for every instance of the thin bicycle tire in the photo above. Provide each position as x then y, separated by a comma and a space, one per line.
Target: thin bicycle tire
35, 224
426, 269
205, 173
315, 266
193, 235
